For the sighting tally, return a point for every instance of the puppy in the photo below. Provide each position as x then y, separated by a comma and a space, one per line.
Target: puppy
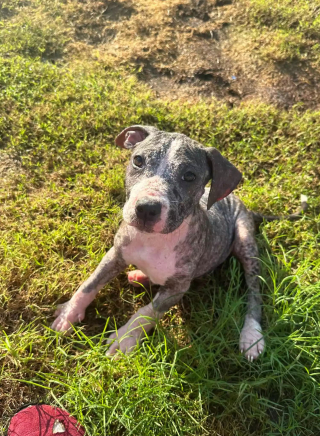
174, 230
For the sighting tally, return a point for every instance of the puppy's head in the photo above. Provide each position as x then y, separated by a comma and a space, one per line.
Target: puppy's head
167, 175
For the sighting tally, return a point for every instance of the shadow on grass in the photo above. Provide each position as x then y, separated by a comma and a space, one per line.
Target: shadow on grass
190, 368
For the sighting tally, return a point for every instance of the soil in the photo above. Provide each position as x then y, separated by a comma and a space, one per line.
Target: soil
194, 48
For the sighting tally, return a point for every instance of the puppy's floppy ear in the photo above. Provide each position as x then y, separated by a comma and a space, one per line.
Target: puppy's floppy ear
225, 176
130, 136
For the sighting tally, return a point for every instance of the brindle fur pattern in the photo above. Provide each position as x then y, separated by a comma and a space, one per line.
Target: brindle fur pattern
184, 242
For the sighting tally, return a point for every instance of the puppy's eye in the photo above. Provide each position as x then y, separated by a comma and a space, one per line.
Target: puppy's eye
189, 176
138, 161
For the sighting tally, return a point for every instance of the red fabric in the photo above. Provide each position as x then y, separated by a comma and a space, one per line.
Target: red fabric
39, 421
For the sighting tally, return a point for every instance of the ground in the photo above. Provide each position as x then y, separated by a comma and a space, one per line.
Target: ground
241, 76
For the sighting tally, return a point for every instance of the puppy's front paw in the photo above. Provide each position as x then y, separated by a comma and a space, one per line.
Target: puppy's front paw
130, 335
123, 340
251, 339
67, 314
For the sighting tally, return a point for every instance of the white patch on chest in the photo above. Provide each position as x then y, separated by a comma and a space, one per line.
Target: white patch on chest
154, 253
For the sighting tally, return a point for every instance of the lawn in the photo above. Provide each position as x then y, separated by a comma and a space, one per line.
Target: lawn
63, 100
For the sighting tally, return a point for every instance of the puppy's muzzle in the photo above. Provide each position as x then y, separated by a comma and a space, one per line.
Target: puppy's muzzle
148, 211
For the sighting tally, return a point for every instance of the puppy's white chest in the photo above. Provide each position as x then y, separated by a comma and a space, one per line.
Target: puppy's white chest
153, 253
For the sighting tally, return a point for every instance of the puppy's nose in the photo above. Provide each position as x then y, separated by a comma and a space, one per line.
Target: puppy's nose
148, 210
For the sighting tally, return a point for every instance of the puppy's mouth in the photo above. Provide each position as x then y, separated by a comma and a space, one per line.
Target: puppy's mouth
143, 226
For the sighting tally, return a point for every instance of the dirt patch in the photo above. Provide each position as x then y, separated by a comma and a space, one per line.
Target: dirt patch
93, 21
187, 49
191, 49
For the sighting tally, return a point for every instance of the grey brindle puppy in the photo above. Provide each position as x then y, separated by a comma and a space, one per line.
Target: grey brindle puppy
174, 230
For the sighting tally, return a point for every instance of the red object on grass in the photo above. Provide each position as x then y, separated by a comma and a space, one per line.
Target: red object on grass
44, 420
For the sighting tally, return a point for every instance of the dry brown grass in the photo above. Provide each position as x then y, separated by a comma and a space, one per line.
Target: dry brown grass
182, 48
187, 49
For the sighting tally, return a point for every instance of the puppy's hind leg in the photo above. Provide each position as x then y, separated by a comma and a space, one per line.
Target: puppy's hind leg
246, 250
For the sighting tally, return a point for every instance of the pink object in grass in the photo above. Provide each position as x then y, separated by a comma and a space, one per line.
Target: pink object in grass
138, 276
44, 420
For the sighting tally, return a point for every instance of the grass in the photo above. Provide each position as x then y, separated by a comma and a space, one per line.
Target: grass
286, 30
61, 196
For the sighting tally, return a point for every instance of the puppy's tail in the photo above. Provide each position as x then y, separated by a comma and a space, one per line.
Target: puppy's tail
259, 218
